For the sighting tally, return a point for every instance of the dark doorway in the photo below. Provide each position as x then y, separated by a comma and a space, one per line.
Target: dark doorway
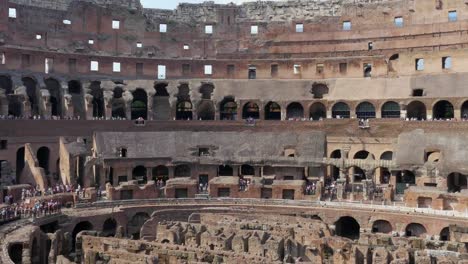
98, 99
317, 111
443, 110
228, 109
250, 110
225, 170
43, 156
347, 227
272, 111
340, 110
184, 110
294, 111
109, 227
139, 105
416, 110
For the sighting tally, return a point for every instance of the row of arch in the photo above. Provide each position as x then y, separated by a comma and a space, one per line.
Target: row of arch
228, 107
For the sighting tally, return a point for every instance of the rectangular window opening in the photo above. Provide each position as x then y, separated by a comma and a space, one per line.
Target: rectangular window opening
343, 68
139, 45
186, 47
299, 28
116, 66
418, 92
367, 67
297, 69
320, 68
161, 72
3, 144
67, 22
446, 62
91, 41
347, 25
252, 72
208, 69
419, 64
12, 12
254, 30
370, 45
49, 64
453, 16
274, 70
38, 36
94, 66
162, 28
208, 29
115, 24
398, 21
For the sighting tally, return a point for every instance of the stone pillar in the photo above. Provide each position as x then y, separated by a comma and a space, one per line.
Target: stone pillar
149, 174
367, 188
429, 113
403, 112
45, 108
351, 174
457, 113
340, 189
235, 170
108, 96
240, 107
261, 109
329, 113
171, 172
128, 97
284, 113
88, 106
150, 100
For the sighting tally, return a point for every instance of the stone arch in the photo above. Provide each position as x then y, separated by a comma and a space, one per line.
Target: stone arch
225, 170
348, 227
294, 110
391, 110
228, 109
81, 226
336, 154
363, 154
404, 179
183, 170
359, 175
382, 226
464, 110
184, 110
109, 228
139, 107
139, 174
135, 224
365, 110
317, 111
250, 110
206, 110
15, 252
456, 182
55, 91
416, 110
160, 172
75, 89
43, 157
445, 234
118, 104
272, 111
247, 170
19, 164
98, 99
6, 84
32, 92
341, 110
415, 230
161, 105
15, 106
387, 155
443, 109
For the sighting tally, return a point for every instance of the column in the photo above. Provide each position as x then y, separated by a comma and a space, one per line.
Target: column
108, 96
149, 106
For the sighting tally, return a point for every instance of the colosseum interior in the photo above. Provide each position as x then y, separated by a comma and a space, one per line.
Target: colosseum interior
301, 131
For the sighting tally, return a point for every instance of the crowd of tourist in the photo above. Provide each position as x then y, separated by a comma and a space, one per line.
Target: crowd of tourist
34, 192
23, 210
39, 117
160, 183
244, 184
202, 187
310, 188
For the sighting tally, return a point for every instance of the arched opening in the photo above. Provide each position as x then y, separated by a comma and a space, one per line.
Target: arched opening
228, 109
415, 230
184, 110
139, 174
403, 180
250, 110
443, 110
15, 252
416, 110
15, 107
340, 110
392, 62
347, 227
206, 110
382, 226
387, 155
206, 91
359, 174
160, 173
139, 105
385, 175
6, 84
118, 104
135, 224
294, 111
43, 156
445, 234
272, 111
161, 106
109, 227
318, 111
182, 171
456, 182
464, 110
391, 110
81, 226
31, 90
319, 90
336, 154
335, 171
365, 110
19, 164
98, 99
55, 91
225, 170
247, 170
363, 154
75, 90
